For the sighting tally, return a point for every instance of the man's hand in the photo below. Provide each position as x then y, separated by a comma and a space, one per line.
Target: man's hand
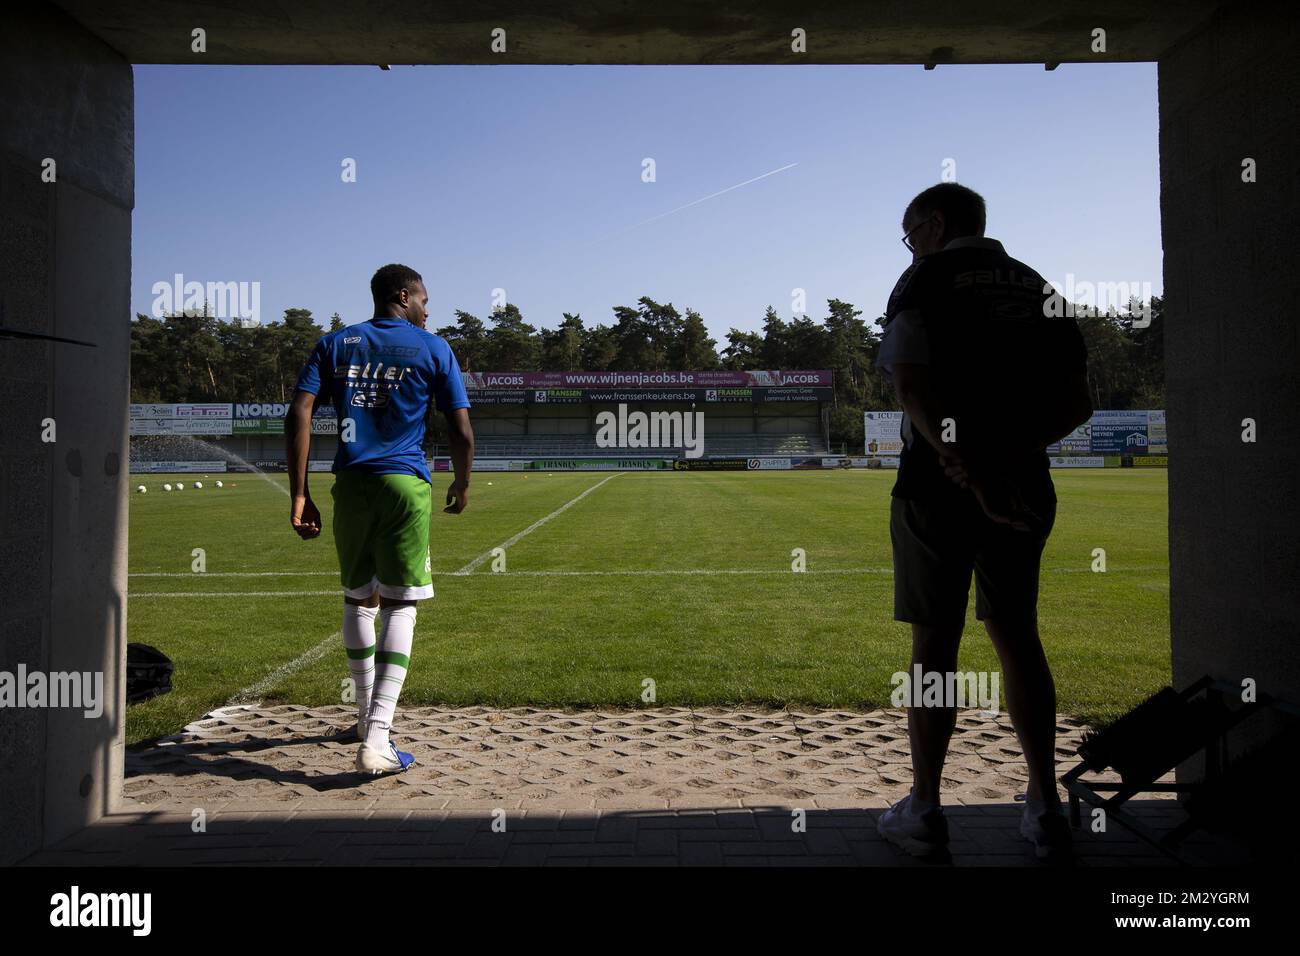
999, 499
457, 497
304, 517
955, 467
1002, 504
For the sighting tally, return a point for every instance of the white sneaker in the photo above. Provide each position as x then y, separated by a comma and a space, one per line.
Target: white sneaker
373, 761
925, 835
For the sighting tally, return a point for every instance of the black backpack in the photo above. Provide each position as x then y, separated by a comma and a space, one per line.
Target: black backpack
148, 673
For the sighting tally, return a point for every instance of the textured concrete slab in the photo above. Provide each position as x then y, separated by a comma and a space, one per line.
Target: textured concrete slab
532, 786
478, 758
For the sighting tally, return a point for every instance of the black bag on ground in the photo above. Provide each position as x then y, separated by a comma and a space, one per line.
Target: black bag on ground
148, 673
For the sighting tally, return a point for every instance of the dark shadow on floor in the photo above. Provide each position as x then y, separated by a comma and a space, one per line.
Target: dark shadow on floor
984, 835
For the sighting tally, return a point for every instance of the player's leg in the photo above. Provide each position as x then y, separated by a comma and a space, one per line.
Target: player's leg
932, 572
1006, 600
1031, 702
931, 586
354, 523
359, 644
1006, 574
392, 662
402, 568
930, 726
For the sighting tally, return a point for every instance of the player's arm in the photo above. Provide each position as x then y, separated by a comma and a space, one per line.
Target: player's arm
914, 386
449, 395
303, 514
313, 383
905, 356
460, 438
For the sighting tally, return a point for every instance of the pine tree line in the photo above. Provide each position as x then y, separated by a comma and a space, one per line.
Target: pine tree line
193, 357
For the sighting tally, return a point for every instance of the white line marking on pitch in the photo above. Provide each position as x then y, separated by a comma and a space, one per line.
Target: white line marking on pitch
453, 574
232, 594
255, 691
645, 572
469, 568
232, 574
653, 572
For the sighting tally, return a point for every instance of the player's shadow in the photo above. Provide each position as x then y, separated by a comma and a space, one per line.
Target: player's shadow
181, 757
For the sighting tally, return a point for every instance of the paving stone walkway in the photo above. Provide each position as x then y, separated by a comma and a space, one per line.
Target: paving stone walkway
657, 786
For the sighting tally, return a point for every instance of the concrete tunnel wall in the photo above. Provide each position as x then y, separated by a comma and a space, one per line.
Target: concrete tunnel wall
1229, 93
1226, 93
65, 269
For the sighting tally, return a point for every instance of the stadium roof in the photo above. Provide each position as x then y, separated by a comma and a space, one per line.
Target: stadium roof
613, 31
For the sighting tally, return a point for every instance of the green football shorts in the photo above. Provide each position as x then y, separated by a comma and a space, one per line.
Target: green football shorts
381, 533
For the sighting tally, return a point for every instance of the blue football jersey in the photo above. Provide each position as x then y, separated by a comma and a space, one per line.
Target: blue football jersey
380, 377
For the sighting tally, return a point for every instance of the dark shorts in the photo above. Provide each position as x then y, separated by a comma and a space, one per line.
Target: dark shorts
938, 546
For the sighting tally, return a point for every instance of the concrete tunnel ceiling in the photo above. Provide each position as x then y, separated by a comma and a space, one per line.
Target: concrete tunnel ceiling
610, 31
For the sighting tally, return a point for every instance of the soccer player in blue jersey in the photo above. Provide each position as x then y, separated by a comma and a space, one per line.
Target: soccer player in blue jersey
383, 378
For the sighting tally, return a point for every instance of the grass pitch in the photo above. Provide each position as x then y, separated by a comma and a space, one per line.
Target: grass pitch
683, 578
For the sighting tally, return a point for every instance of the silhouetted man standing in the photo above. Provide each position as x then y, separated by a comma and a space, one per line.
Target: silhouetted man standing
988, 376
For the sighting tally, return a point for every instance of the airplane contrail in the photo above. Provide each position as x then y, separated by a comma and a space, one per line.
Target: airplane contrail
696, 202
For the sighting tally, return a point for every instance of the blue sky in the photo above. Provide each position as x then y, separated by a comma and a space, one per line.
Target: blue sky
530, 179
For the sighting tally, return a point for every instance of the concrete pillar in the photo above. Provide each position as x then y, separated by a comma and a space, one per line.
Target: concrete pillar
65, 269
1227, 94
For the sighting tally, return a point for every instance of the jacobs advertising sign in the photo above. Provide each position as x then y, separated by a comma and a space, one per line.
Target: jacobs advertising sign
610, 396
639, 380
792, 394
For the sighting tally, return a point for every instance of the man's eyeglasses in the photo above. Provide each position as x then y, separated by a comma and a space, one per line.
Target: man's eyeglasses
907, 238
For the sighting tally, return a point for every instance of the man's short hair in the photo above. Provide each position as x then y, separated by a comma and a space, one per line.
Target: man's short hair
390, 280
962, 208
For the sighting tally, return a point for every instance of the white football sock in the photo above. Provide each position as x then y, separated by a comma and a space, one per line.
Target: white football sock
359, 642
396, 634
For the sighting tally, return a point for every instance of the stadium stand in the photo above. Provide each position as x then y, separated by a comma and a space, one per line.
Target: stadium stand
531, 416
726, 445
